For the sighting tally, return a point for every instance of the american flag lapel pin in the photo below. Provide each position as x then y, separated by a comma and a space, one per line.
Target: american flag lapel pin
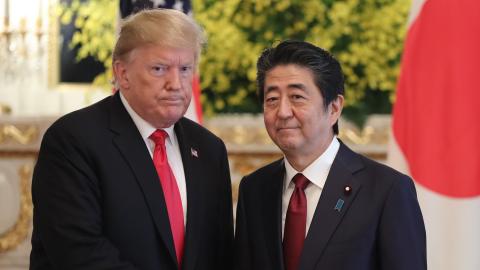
194, 152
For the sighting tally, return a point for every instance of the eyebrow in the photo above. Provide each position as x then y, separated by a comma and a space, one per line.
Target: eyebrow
167, 62
270, 89
299, 86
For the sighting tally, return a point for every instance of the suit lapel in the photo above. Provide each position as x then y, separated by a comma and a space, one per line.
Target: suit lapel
132, 147
326, 218
190, 155
272, 214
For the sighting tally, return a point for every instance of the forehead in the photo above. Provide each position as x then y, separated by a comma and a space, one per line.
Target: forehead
288, 75
167, 55
289, 72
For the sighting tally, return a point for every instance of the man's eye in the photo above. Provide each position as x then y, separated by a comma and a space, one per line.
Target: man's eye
159, 70
186, 70
297, 97
270, 99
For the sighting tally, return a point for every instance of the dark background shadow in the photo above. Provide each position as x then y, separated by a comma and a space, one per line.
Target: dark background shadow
72, 70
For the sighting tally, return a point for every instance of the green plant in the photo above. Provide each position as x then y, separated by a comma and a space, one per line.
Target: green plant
366, 36
95, 37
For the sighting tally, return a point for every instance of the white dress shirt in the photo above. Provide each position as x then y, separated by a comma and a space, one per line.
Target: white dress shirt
173, 151
317, 173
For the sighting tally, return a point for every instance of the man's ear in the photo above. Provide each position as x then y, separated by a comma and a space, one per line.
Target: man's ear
336, 107
120, 73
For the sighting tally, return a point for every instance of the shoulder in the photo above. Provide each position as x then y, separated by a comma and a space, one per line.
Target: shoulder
370, 173
196, 132
270, 172
382, 178
387, 173
268, 169
380, 186
382, 170
91, 114
80, 122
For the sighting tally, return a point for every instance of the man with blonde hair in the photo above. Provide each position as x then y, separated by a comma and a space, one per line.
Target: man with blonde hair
129, 183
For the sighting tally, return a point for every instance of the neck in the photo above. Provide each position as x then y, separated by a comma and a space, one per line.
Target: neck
301, 160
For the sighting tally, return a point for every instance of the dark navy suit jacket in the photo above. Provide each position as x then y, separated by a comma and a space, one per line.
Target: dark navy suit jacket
379, 226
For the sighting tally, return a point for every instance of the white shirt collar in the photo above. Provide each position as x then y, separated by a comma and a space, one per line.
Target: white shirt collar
316, 172
146, 129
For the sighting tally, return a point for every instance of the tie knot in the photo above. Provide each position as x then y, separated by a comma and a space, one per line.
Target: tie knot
300, 181
158, 137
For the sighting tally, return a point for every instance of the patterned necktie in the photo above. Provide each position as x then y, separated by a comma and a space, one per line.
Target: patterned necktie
170, 192
295, 223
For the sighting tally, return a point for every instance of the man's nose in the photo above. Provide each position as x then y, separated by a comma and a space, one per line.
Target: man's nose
284, 109
173, 79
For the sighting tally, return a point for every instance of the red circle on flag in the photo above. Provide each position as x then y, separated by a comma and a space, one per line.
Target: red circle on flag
436, 113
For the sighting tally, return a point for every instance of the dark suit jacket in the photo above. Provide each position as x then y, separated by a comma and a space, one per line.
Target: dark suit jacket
98, 201
380, 225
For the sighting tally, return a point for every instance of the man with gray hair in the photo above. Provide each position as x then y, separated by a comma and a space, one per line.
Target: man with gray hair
129, 183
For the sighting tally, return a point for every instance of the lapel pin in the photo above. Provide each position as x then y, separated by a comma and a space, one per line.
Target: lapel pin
347, 190
339, 205
194, 152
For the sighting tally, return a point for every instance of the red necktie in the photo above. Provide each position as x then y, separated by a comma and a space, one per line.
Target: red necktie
170, 192
295, 223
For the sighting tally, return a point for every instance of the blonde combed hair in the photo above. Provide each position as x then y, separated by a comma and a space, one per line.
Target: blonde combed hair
162, 27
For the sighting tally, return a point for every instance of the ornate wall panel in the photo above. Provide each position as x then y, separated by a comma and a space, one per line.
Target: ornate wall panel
19, 143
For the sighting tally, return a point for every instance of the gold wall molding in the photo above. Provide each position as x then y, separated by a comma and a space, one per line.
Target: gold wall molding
250, 130
5, 109
245, 163
18, 233
22, 135
368, 135
19, 144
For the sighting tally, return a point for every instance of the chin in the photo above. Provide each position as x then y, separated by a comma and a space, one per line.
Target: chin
172, 113
173, 118
164, 121
286, 145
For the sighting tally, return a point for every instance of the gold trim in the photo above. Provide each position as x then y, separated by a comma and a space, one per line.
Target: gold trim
6, 154
5, 109
235, 187
363, 137
23, 136
53, 46
369, 135
250, 130
17, 234
245, 163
